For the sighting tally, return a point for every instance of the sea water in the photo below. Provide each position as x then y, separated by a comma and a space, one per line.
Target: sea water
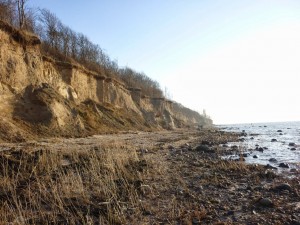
285, 149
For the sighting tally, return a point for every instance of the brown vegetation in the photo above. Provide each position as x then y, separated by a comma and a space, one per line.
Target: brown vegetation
90, 186
140, 178
21, 36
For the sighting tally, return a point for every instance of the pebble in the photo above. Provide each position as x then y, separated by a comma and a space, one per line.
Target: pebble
203, 148
273, 140
292, 144
255, 156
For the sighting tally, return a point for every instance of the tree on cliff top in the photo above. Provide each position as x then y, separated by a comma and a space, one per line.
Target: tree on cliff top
21, 12
64, 44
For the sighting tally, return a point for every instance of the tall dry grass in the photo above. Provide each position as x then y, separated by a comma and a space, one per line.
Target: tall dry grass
94, 186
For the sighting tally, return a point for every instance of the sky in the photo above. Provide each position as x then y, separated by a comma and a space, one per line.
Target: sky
237, 60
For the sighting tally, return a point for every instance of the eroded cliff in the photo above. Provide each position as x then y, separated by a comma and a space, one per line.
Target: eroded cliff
41, 96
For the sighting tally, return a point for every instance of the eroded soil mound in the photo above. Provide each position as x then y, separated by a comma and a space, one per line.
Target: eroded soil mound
40, 111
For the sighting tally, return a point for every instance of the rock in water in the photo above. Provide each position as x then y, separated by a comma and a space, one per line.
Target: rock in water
245, 154
260, 149
284, 165
272, 160
268, 166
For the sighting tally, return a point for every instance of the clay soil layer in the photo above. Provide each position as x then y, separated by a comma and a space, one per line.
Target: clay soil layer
165, 177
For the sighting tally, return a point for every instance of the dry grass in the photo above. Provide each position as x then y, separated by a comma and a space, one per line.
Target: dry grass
81, 187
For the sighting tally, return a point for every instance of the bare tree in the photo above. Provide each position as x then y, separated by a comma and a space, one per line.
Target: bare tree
50, 28
21, 12
60, 41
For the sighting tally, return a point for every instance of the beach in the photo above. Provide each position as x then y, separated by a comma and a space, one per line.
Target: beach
163, 177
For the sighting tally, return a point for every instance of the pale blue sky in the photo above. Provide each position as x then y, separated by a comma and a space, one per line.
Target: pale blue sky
239, 60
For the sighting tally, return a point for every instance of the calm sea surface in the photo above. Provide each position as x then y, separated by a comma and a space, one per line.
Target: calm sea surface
285, 149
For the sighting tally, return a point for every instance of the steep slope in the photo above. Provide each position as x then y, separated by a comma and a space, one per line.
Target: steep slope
41, 96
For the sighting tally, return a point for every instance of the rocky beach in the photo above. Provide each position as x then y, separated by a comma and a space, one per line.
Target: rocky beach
163, 177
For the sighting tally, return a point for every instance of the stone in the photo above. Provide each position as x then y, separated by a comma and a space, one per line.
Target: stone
203, 148
273, 140
245, 154
284, 165
255, 156
293, 149
265, 202
260, 149
196, 221
283, 187
143, 150
268, 166
292, 144
272, 160
279, 131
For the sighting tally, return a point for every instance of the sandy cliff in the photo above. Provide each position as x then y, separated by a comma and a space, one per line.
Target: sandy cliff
45, 97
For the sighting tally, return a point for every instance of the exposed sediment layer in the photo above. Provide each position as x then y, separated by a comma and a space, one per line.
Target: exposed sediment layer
42, 96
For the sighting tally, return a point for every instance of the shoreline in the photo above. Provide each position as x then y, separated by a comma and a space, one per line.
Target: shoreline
273, 144
165, 177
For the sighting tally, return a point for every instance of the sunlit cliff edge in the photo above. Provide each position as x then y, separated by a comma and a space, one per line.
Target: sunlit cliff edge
44, 97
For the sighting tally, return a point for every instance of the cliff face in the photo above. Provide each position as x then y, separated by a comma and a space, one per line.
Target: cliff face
41, 96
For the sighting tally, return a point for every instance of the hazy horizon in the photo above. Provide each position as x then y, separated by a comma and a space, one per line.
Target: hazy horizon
238, 60
259, 122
